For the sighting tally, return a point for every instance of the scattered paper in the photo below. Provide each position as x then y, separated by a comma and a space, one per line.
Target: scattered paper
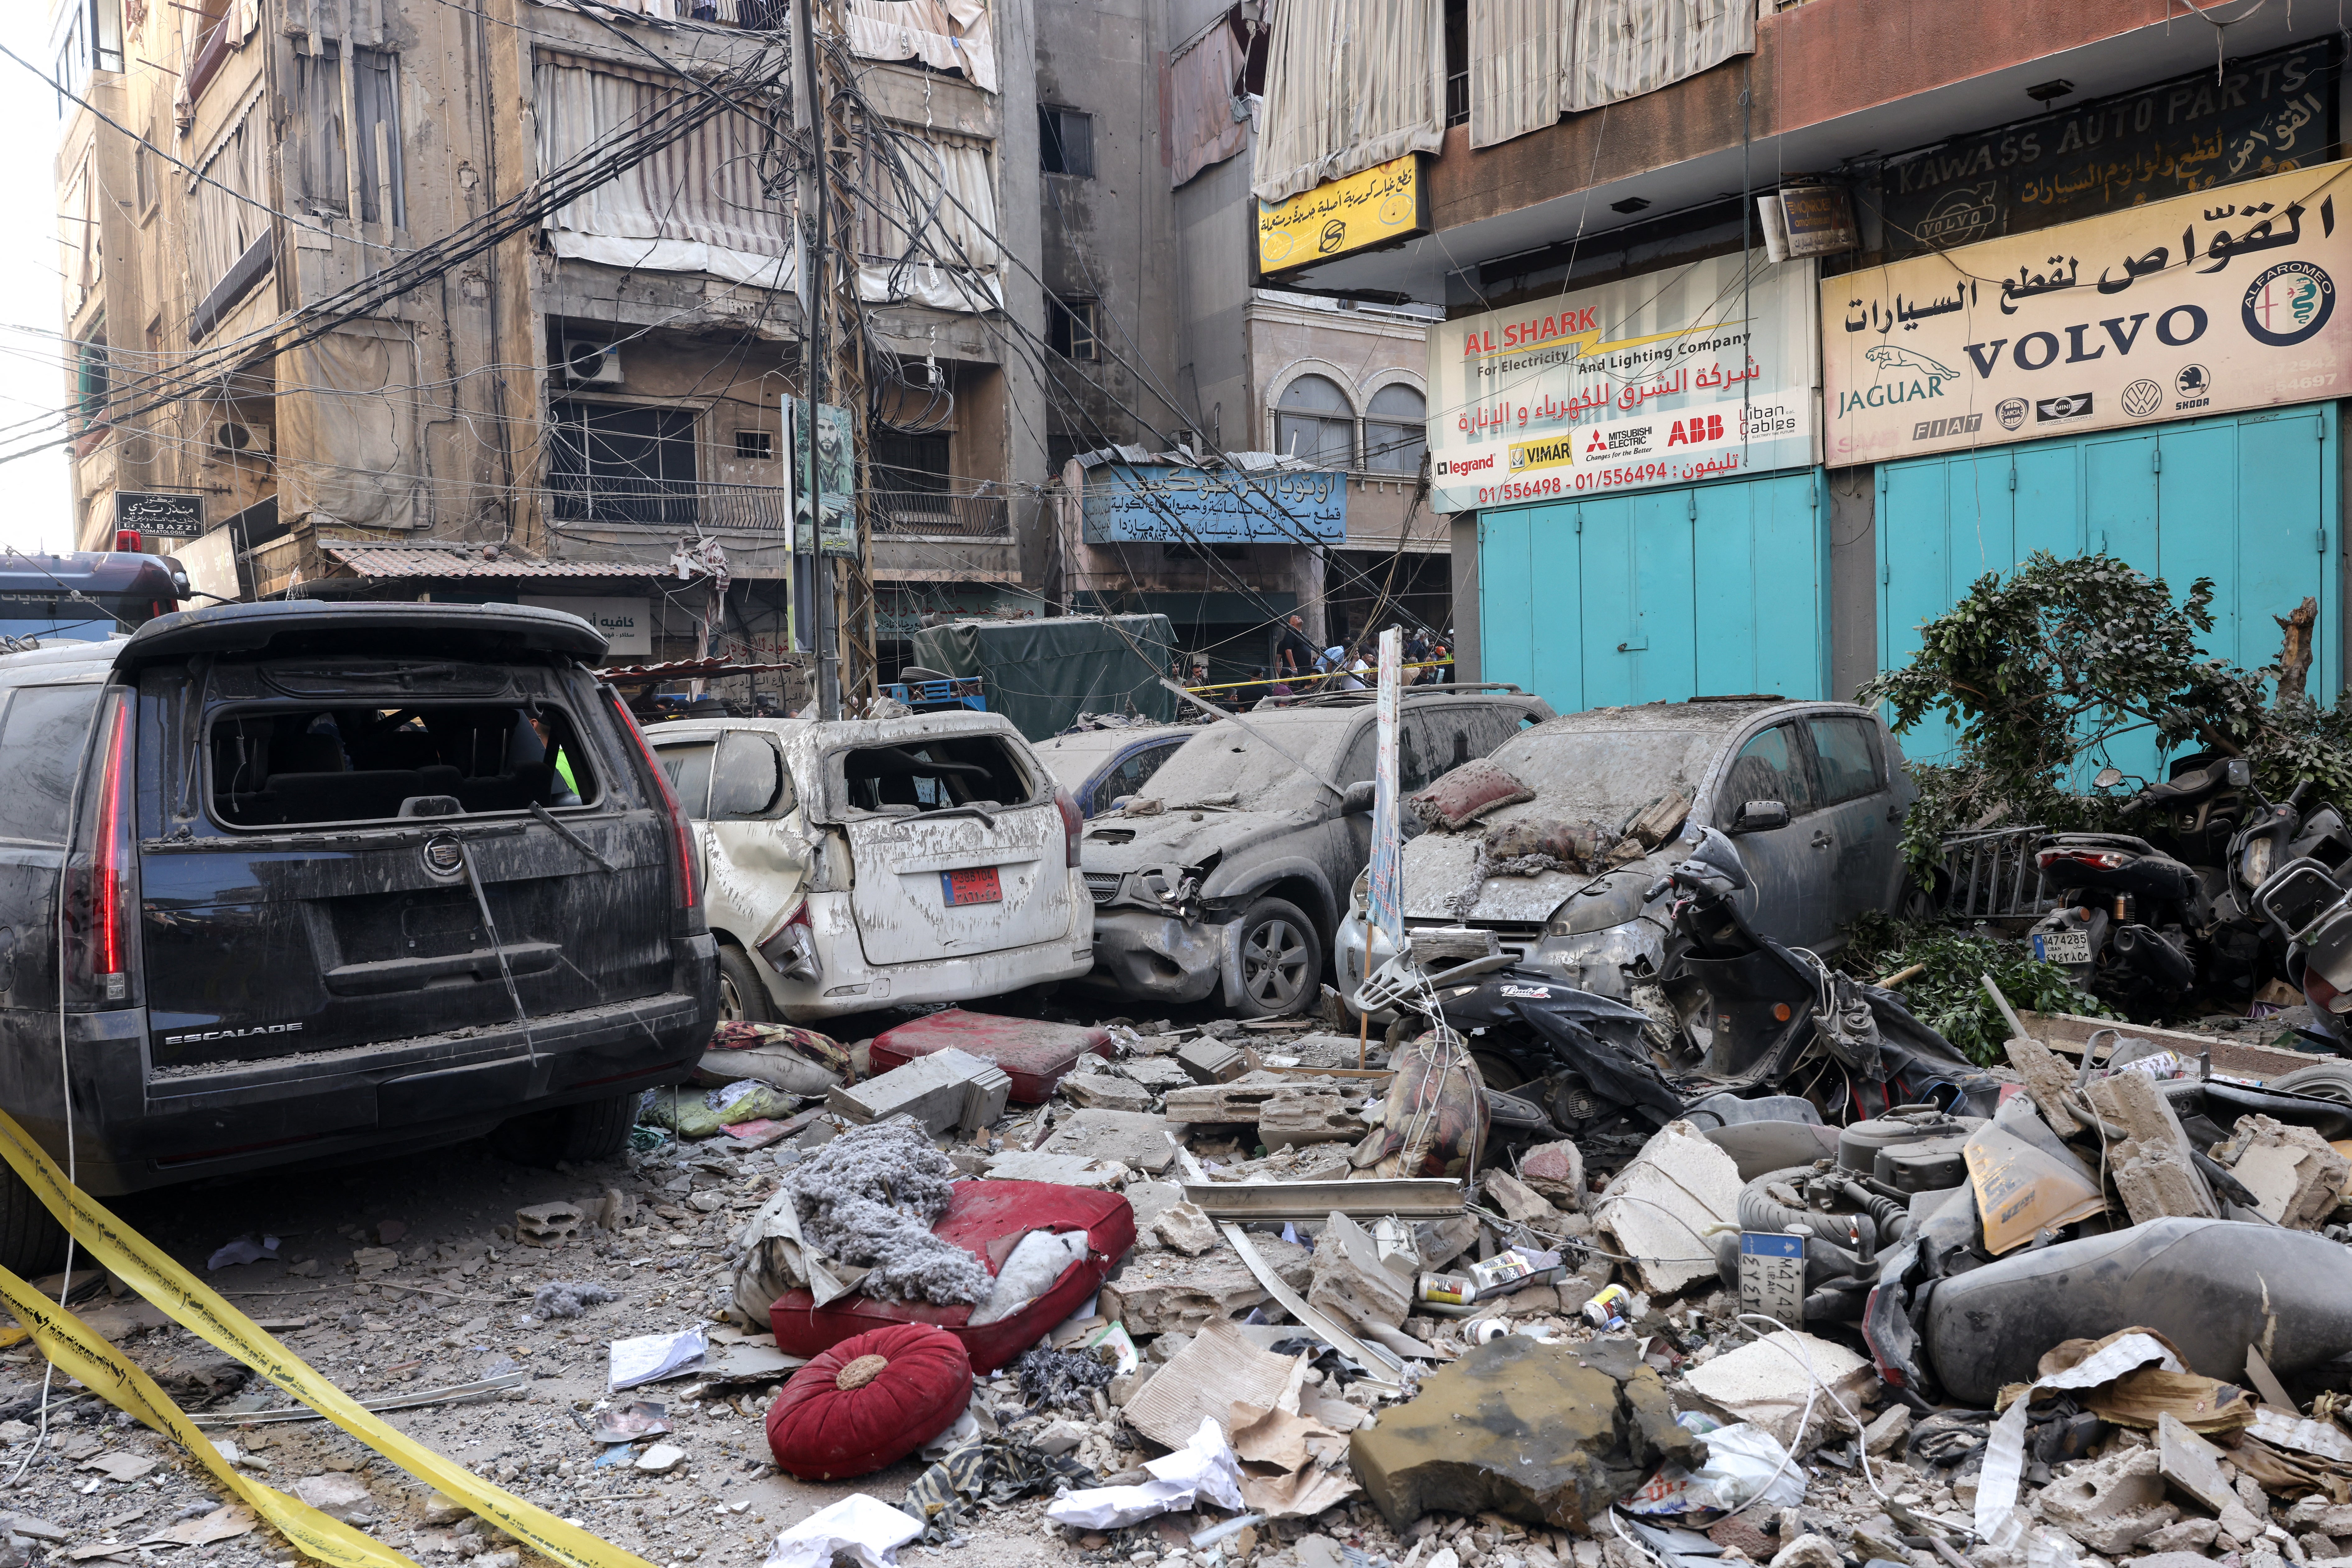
865, 1529
1998, 1520
1203, 1469
244, 1249
650, 1358
627, 1422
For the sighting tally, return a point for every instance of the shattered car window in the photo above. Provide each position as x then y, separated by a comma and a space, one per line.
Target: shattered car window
283, 765
955, 770
1605, 774
1225, 760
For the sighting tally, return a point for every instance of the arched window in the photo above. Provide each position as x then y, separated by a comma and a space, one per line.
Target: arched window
1396, 432
1314, 422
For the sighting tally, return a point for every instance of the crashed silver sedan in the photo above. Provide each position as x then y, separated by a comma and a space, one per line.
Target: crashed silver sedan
1560, 871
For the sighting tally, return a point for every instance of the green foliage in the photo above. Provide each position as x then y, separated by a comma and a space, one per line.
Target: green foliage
1949, 996
2039, 671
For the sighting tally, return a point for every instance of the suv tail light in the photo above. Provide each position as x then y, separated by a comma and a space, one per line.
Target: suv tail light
101, 912
2096, 859
128, 538
1073, 825
681, 836
791, 948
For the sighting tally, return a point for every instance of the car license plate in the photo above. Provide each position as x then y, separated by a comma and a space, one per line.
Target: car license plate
977, 886
2062, 947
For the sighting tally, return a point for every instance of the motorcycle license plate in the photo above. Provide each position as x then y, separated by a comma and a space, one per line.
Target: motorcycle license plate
2062, 947
978, 885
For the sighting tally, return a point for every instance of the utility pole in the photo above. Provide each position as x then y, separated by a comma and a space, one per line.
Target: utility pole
811, 578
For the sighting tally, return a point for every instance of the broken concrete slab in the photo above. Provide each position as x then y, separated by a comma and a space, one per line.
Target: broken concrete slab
2295, 1177
1158, 1074
1210, 1061
1238, 1103
338, 1495
1061, 1169
540, 1224
1150, 1200
1555, 1171
1350, 1282
2047, 1080
1104, 1092
946, 1088
2192, 1464
1218, 1369
1294, 1116
2110, 1505
1139, 1142
1809, 1552
1891, 1425
1165, 1292
2153, 1168
1546, 1434
1182, 1227
1768, 1383
1520, 1202
1662, 1207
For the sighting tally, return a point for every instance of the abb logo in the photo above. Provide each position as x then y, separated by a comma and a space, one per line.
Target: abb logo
1466, 465
1697, 427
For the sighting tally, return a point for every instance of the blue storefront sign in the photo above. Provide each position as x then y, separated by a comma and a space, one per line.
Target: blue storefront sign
1167, 503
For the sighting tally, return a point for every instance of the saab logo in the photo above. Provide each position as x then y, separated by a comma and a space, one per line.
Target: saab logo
1529, 993
2010, 412
232, 1034
1914, 376
1699, 428
2074, 406
1551, 454
1958, 424
1465, 465
2288, 303
2142, 398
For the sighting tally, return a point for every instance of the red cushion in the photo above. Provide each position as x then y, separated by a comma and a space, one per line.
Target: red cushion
821, 1431
979, 1214
1034, 1054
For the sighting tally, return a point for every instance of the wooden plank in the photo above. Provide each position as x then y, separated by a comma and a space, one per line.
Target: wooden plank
2069, 1032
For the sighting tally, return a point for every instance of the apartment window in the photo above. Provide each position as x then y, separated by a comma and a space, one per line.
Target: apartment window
90, 377
905, 461
1314, 421
375, 105
1065, 141
1396, 432
1072, 328
611, 462
1457, 62
143, 173
755, 446
88, 36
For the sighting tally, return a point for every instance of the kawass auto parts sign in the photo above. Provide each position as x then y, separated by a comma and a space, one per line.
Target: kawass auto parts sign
1692, 374
2200, 304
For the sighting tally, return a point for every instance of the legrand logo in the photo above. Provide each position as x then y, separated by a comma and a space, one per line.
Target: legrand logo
232, 1034
1465, 465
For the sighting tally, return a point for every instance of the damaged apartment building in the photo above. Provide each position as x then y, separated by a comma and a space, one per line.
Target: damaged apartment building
586, 413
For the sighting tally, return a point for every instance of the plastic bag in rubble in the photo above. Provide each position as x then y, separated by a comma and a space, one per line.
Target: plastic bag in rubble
1742, 1462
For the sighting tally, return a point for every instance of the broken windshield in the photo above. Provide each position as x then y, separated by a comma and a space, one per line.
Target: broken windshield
1603, 775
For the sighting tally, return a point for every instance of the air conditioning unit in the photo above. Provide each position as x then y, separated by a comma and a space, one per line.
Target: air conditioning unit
242, 441
591, 364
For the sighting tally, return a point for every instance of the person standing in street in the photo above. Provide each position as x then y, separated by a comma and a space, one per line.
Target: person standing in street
1295, 656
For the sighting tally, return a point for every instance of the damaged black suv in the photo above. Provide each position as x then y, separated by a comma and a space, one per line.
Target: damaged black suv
287, 882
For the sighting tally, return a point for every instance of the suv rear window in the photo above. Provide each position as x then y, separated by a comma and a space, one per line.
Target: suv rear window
957, 770
282, 766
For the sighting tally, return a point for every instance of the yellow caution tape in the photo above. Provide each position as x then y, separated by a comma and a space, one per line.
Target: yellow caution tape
186, 1300
75, 1349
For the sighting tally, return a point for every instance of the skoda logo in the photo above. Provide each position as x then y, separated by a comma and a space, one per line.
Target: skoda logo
2287, 303
444, 857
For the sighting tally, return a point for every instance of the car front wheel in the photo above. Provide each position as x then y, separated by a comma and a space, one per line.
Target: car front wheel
1282, 960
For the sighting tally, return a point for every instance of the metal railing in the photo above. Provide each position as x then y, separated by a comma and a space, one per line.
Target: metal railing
761, 14
685, 503
1993, 875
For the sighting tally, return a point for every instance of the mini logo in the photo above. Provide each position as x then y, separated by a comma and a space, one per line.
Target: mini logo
2193, 380
2075, 406
2288, 303
2010, 412
2142, 398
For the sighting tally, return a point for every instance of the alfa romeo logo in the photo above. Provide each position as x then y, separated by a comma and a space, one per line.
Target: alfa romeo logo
2288, 303
2142, 398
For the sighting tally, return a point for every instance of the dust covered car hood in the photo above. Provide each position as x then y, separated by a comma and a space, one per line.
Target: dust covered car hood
1119, 843
1597, 768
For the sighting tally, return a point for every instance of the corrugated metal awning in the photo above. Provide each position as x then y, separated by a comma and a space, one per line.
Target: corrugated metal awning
473, 561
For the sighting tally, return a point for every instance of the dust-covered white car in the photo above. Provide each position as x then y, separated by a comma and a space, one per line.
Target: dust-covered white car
867, 863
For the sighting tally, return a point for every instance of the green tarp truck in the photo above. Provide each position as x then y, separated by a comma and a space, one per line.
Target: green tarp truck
1043, 673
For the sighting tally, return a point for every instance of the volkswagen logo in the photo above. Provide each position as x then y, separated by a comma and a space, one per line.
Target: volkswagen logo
445, 857
2142, 398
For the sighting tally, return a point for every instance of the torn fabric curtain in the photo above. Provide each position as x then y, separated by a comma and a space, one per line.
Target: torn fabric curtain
946, 35
1624, 48
1518, 67
1350, 85
1203, 127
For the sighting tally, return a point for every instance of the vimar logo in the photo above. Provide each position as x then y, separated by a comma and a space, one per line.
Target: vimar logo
1905, 375
2288, 303
1525, 455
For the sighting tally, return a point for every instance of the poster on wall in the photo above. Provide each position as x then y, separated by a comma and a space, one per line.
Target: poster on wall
2203, 304
1699, 371
836, 476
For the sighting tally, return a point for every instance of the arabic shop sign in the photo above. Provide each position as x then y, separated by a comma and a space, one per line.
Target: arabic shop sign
2187, 307
1167, 503
171, 514
1664, 379
1389, 200
2266, 115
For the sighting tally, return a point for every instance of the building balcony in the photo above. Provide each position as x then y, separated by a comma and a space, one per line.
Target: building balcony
685, 504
